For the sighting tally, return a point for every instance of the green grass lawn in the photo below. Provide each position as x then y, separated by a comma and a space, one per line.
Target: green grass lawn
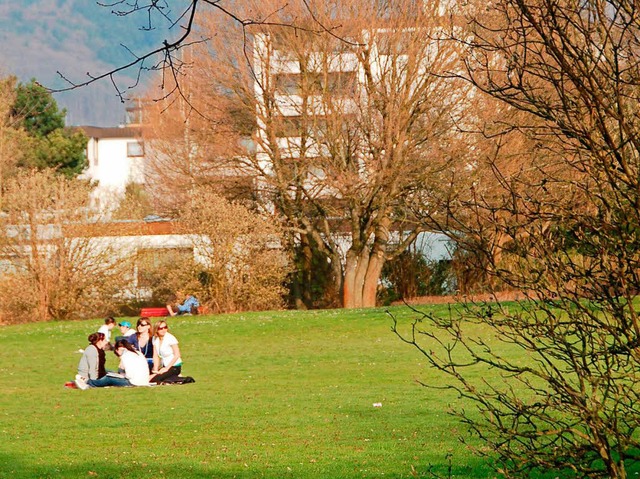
278, 394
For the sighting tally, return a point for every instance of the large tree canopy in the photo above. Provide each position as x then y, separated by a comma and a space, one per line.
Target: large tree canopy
349, 126
554, 213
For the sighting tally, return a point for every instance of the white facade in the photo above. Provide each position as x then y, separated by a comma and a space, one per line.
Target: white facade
277, 76
433, 246
118, 242
124, 247
271, 63
115, 158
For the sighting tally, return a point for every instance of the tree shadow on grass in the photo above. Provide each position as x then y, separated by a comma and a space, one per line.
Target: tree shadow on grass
14, 467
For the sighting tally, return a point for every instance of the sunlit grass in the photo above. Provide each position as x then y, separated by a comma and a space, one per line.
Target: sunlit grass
285, 394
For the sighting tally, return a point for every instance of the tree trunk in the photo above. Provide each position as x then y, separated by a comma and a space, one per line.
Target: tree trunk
361, 273
336, 286
361, 279
349, 288
296, 291
370, 287
306, 257
376, 261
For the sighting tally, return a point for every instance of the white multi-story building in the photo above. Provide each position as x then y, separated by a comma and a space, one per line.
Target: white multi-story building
334, 81
280, 74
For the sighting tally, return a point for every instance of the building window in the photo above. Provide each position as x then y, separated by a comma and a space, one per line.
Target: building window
314, 126
95, 152
287, 83
288, 126
341, 83
135, 148
335, 83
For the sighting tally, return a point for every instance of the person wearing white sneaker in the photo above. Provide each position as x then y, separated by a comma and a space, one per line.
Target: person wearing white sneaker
91, 365
80, 382
132, 363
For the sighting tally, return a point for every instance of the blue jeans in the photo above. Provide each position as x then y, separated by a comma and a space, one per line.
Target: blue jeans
108, 381
189, 303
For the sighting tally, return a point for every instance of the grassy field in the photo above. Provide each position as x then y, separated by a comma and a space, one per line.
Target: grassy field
286, 394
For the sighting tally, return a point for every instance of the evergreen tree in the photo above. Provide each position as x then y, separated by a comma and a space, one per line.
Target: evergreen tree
50, 144
36, 109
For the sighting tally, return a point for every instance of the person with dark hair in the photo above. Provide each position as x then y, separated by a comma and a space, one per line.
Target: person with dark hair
133, 365
91, 365
142, 340
109, 324
167, 363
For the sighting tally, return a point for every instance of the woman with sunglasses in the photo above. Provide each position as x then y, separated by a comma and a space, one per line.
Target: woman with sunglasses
142, 340
167, 362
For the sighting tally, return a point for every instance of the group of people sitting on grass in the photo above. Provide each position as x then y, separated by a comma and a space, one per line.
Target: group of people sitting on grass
147, 356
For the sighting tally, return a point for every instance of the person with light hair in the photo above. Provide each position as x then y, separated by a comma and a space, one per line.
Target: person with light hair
167, 362
143, 340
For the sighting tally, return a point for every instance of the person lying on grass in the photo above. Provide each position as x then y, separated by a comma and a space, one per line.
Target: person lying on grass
133, 365
188, 306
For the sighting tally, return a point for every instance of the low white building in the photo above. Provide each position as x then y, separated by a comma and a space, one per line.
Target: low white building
149, 243
115, 157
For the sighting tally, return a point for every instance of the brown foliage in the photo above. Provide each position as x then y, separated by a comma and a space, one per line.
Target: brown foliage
555, 217
190, 140
51, 272
352, 123
238, 264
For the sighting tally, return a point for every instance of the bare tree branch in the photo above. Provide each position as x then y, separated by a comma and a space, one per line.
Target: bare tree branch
169, 60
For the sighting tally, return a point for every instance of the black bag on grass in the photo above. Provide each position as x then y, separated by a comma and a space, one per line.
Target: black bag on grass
179, 380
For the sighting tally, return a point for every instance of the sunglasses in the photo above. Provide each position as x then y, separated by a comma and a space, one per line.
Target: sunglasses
144, 324
162, 327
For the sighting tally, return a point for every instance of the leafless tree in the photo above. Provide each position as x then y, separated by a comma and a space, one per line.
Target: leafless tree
350, 125
557, 218
185, 149
52, 267
168, 59
238, 262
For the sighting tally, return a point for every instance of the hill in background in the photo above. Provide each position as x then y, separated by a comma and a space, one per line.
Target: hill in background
41, 37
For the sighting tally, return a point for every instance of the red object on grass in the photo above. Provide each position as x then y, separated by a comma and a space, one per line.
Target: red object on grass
154, 312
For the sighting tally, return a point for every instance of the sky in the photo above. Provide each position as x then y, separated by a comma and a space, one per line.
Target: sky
49, 39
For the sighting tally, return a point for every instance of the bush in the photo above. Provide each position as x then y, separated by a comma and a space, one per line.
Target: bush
237, 262
411, 275
52, 268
